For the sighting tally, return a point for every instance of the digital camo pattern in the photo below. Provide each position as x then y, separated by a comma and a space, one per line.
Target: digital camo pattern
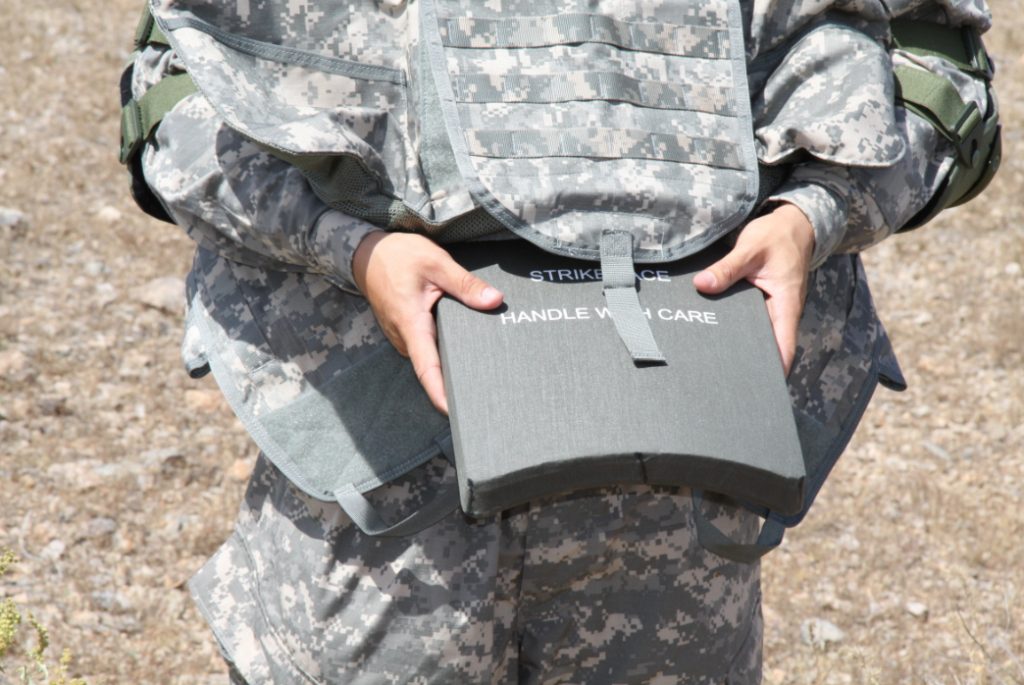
235, 199
853, 208
559, 168
597, 587
836, 343
193, 139
290, 332
837, 331
547, 135
842, 113
318, 69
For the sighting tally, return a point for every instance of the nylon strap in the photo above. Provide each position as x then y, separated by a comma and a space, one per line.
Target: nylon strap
140, 117
977, 140
619, 281
717, 542
962, 47
363, 514
147, 31
937, 101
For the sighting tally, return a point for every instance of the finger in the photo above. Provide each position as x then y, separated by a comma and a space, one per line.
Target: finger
721, 275
465, 287
422, 345
784, 309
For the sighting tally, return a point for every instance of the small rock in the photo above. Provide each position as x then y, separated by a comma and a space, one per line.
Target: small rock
205, 401
96, 268
122, 624
168, 456
241, 469
819, 633
921, 411
53, 550
848, 541
1012, 269
923, 318
88, 620
78, 475
917, 610
111, 601
166, 294
109, 214
15, 365
134, 364
13, 219
50, 405
99, 528
997, 431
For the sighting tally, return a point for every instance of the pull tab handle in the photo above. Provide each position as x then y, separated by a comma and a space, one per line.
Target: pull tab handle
619, 280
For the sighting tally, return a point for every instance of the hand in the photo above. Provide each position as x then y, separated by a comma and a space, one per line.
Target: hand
773, 252
403, 275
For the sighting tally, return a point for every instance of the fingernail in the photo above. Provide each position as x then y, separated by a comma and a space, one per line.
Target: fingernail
489, 293
708, 276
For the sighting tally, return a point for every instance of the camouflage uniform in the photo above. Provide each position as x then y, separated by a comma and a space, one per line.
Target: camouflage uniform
603, 586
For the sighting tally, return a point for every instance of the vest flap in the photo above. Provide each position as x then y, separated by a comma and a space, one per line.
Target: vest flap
588, 116
309, 374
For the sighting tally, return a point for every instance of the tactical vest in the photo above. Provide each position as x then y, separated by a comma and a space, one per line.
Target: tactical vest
598, 135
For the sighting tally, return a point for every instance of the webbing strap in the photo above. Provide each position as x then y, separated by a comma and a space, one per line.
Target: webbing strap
717, 542
140, 117
604, 143
977, 140
962, 47
708, 42
619, 281
362, 513
937, 101
147, 31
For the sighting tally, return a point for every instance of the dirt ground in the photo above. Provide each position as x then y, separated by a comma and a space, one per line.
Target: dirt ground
119, 475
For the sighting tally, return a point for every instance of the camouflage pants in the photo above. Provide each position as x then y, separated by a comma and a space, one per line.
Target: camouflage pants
594, 587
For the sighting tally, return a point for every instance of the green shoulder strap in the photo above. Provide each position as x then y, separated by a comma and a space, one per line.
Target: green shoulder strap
140, 117
976, 139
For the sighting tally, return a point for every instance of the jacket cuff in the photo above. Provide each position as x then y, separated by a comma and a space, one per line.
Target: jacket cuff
827, 211
335, 238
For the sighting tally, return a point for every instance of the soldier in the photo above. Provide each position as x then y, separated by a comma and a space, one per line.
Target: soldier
295, 286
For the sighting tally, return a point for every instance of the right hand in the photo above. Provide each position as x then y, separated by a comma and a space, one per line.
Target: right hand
403, 275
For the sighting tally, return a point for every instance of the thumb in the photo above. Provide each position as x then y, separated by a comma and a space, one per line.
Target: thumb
467, 288
721, 275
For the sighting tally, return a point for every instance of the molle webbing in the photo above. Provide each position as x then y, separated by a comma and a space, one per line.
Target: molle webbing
594, 85
603, 143
536, 32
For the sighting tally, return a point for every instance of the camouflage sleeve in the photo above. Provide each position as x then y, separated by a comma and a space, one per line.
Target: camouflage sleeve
853, 208
234, 198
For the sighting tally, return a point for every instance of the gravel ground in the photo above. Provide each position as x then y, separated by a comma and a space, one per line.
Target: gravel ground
119, 475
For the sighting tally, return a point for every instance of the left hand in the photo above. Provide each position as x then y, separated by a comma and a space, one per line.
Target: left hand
773, 252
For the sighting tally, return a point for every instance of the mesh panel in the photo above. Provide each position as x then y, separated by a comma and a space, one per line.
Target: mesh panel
770, 178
